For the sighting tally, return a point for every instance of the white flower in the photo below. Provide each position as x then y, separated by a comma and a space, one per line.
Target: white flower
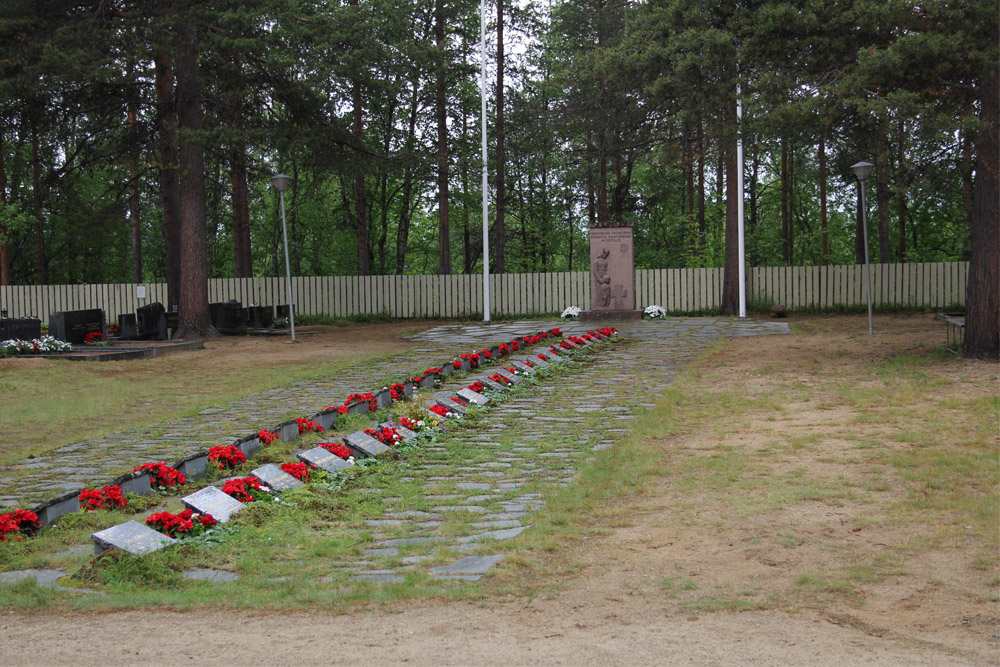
572, 311
655, 312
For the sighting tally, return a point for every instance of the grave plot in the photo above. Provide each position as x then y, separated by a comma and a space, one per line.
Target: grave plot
220, 505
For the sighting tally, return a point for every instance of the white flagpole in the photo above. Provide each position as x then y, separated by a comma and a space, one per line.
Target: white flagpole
739, 217
486, 194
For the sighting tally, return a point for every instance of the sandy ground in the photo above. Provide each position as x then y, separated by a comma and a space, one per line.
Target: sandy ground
613, 609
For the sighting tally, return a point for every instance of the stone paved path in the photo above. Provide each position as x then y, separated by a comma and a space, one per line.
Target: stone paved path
530, 444
99, 460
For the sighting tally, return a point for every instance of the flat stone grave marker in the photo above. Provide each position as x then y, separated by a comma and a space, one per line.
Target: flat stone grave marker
452, 405
212, 500
523, 367
404, 432
493, 386
276, 478
538, 361
322, 459
73, 326
364, 443
131, 537
471, 396
513, 377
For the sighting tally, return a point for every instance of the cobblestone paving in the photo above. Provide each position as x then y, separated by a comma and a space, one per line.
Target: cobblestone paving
529, 445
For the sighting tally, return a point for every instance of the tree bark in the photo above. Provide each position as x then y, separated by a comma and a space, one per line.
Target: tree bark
882, 194
135, 221
166, 121
786, 225
501, 199
731, 270
823, 229
242, 253
4, 241
193, 320
444, 240
41, 273
360, 191
901, 182
403, 232
982, 303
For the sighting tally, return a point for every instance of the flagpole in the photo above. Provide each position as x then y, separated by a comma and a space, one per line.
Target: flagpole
739, 210
486, 194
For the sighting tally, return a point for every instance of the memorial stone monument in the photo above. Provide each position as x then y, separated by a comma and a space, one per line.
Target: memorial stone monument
612, 275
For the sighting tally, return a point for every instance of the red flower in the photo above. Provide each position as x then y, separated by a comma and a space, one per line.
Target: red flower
297, 470
19, 524
100, 499
556, 332
226, 457
337, 449
163, 474
478, 387
240, 489
384, 434
307, 425
93, 337
266, 437
439, 410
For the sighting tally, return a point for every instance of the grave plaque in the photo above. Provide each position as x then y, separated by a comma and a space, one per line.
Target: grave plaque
513, 377
493, 386
538, 361
131, 537
470, 396
167, 325
430, 381
127, 327
452, 405
27, 328
72, 326
361, 442
612, 273
323, 459
276, 478
147, 319
523, 367
404, 432
211, 500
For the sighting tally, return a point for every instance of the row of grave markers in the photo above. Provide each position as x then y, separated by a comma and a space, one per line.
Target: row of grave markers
138, 539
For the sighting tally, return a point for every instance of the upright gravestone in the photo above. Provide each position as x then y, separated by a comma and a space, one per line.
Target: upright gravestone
147, 319
73, 326
612, 275
127, 327
227, 316
167, 327
27, 328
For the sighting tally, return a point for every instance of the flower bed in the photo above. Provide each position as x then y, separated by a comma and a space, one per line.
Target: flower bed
43, 345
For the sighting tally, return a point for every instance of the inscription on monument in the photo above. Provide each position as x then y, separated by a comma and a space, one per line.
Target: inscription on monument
612, 269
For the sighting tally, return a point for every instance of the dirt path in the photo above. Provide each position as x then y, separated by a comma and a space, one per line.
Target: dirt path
641, 589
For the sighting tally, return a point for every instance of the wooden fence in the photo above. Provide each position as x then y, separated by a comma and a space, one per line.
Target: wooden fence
683, 290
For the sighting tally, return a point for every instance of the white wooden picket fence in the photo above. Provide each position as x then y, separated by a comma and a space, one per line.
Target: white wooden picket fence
922, 285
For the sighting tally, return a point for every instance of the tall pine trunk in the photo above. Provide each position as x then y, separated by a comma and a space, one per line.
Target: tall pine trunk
4, 241
41, 272
166, 121
823, 228
882, 193
242, 254
193, 320
982, 303
444, 239
135, 221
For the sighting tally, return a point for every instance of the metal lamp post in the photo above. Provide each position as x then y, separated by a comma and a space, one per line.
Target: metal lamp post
280, 182
861, 170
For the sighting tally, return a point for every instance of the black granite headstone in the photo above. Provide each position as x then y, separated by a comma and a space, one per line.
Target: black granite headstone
147, 319
27, 328
226, 316
259, 317
73, 326
167, 326
127, 327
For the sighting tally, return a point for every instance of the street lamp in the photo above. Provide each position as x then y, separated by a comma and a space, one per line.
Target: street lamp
280, 183
861, 170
